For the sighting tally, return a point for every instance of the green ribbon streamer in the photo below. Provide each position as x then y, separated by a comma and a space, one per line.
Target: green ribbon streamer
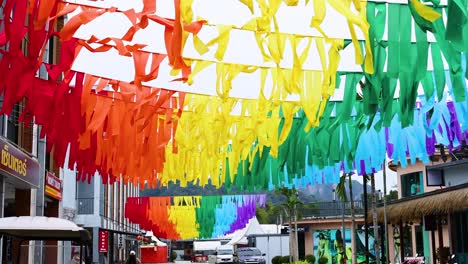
439, 72
456, 24
393, 64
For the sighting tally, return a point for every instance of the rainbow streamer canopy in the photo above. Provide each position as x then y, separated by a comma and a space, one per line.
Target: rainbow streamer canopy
192, 217
279, 92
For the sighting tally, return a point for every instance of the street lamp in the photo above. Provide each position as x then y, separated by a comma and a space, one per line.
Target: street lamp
334, 195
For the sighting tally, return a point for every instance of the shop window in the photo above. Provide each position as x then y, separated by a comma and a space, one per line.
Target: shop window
85, 197
407, 236
460, 230
18, 132
419, 240
12, 127
411, 184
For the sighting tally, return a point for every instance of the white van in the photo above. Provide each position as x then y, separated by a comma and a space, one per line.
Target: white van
223, 254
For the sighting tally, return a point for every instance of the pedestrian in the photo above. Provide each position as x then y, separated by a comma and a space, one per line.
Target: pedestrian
76, 259
132, 259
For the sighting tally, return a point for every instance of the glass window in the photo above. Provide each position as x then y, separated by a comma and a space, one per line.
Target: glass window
460, 231
419, 240
411, 184
225, 252
249, 252
408, 241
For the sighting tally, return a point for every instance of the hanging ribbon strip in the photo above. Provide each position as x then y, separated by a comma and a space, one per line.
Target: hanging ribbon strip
190, 217
130, 128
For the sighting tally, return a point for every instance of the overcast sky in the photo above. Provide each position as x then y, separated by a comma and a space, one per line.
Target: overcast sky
379, 183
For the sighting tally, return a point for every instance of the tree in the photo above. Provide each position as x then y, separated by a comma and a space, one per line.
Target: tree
268, 214
290, 208
262, 215
341, 194
392, 195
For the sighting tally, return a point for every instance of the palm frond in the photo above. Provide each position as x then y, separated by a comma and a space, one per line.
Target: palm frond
341, 189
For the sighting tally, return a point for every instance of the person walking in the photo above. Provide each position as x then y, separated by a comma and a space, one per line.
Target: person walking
76, 259
132, 259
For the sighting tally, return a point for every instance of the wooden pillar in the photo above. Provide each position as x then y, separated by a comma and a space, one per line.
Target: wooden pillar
433, 244
441, 240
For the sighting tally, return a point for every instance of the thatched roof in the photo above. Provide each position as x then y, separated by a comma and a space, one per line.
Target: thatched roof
414, 208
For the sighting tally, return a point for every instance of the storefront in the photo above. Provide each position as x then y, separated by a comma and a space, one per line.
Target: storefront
19, 175
428, 223
114, 245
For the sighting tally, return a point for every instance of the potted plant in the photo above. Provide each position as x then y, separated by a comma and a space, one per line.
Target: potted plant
310, 259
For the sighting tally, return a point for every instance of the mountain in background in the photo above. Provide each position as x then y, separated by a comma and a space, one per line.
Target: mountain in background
310, 194
324, 192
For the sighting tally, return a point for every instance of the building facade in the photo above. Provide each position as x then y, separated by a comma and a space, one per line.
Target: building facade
430, 218
326, 229
100, 209
28, 185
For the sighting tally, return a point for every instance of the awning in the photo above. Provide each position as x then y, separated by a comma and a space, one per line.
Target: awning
43, 228
442, 201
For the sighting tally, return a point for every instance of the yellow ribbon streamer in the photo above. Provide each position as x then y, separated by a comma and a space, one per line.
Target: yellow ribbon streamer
424, 11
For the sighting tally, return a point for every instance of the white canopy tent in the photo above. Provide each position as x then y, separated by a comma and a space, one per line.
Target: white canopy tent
240, 236
43, 228
155, 240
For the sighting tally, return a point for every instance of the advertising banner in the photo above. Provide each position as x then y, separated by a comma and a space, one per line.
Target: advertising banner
103, 241
18, 164
336, 248
53, 186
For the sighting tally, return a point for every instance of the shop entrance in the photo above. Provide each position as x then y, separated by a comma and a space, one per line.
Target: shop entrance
17, 203
51, 209
460, 229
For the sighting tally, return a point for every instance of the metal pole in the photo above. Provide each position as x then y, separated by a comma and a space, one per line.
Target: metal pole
343, 228
385, 210
366, 231
375, 221
296, 240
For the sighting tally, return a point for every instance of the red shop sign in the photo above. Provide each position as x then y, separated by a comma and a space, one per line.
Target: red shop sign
103, 241
53, 186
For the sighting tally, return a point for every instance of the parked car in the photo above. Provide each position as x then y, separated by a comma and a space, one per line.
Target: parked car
223, 254
249, 255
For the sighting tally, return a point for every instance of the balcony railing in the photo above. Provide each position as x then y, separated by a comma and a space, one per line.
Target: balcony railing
85, 206
332, 209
